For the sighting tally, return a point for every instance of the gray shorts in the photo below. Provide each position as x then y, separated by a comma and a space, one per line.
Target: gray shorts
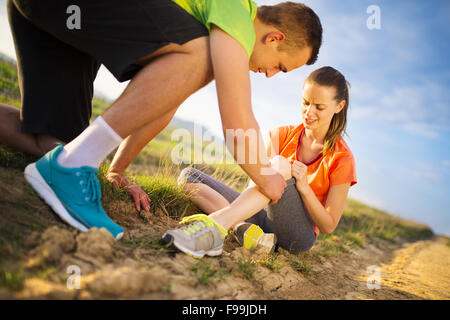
287, 218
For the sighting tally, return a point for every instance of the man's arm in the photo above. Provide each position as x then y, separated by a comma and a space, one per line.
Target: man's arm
231, 71
127, 152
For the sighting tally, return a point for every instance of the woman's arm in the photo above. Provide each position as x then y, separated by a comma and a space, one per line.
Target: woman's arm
325, 218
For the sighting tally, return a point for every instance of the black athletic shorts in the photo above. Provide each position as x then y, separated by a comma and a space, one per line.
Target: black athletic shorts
60, 48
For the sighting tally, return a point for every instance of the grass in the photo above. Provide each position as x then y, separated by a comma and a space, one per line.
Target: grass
246, 267
300, 266
162, 188
271, 262
361, 224
144, 242
15, 160
205, 273
12, 280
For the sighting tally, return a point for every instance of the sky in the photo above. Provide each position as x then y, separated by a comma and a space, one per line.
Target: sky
398, 121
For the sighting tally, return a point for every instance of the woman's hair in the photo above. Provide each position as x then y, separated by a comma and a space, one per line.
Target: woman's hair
298, 22
330, 77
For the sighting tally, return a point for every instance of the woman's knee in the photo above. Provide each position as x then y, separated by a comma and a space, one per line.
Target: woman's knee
187, 175
282, 165
299, 245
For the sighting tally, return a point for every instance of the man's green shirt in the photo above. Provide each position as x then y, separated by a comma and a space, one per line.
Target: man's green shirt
235, 17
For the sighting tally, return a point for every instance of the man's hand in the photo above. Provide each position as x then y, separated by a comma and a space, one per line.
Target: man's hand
140, 197
274, 186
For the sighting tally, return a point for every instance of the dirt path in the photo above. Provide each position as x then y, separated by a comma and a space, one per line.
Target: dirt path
421, 268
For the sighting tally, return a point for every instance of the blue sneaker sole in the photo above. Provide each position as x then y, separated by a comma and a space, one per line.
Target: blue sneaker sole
38, 183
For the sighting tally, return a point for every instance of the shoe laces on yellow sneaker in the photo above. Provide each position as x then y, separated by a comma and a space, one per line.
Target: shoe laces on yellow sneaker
199, 222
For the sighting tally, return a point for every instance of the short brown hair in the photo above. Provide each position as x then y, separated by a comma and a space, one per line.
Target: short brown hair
298, 22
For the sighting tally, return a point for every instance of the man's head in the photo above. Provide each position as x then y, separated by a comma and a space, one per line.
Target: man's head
288, 35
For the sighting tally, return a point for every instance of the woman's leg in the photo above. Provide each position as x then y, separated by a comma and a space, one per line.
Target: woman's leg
287, 218
211, 195
206, 192
251, 200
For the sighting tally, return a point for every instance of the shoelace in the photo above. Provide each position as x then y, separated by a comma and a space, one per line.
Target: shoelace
91, 185
203, 221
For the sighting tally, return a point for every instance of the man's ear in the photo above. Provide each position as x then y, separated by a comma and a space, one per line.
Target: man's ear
274, 38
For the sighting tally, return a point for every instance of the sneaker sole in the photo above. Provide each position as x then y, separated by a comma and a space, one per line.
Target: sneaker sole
197, 254
268, 240
44, 191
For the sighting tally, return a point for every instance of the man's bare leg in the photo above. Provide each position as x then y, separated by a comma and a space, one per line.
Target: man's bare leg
11, 136
160, 87
134, 143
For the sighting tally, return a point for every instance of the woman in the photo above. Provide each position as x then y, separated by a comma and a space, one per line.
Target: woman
314, 159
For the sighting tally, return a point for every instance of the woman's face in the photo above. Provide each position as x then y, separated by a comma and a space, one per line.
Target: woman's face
319, 106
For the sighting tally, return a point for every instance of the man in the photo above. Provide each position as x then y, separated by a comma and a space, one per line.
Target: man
169, 50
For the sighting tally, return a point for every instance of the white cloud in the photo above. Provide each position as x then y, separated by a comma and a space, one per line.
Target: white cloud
427, 172
417, 108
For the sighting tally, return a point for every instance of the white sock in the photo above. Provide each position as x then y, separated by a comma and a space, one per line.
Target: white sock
91, 147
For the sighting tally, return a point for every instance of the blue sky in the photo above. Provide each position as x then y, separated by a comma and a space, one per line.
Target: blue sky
399, 119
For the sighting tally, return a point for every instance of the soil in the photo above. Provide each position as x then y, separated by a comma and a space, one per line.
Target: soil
139, 267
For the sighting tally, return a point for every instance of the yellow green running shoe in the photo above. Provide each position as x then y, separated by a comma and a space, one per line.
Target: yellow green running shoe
201, 236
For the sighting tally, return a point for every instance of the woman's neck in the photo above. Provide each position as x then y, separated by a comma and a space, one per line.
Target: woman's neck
316, 136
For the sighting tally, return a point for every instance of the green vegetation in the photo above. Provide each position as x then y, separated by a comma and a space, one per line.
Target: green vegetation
271, 262
246, 267
206, 273
12, 280
361, 224
300, 266
16, 160
9, 87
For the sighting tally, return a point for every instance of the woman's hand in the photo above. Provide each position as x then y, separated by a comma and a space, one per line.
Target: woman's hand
299, 172
141, 199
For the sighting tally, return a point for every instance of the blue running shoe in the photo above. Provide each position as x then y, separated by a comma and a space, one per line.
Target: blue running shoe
73, 193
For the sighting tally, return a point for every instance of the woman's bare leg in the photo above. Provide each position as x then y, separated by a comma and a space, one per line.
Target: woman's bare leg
251, 200
205, 197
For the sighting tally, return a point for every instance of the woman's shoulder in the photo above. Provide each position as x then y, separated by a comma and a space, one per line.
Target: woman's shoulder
341, 164
341, 151
342, 147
